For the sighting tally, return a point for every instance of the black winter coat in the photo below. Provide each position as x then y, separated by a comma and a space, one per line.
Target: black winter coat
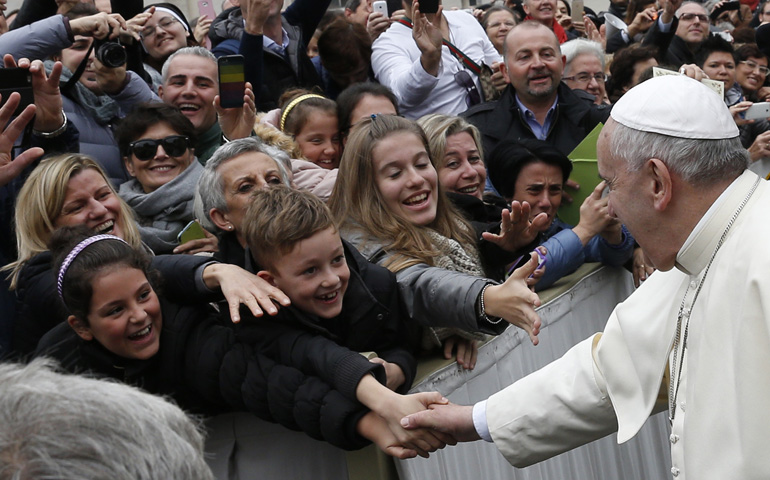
575, 117
207, 369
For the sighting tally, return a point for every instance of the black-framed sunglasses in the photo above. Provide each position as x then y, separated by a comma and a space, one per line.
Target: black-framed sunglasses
463, 78
173, 145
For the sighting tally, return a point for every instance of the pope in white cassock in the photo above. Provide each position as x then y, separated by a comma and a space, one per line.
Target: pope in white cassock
677, 178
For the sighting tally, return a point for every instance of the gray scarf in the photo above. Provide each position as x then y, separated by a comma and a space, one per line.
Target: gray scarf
453, 256
101, 107
162, 214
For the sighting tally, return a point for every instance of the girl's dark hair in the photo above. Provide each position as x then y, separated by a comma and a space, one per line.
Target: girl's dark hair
348, 100
77, 287
146, 116
509, 157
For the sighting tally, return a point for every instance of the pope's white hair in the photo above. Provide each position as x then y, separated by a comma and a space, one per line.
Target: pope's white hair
55, 426
696, 161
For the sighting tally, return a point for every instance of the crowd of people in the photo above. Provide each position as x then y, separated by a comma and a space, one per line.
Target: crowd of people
389, 189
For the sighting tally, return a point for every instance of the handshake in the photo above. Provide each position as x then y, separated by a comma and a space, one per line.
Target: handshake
404, 426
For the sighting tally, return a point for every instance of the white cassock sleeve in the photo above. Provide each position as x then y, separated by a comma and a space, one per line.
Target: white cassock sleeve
553, 410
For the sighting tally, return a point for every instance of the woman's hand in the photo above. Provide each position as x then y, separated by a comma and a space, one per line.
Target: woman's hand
516, 228
760, 148
642, 267
467, 351
135, 25
200, 245
201, 31
514, 301
736, 111
11, 167
241, 287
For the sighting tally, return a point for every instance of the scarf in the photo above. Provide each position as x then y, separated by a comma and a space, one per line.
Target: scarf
457, 258
102, 108
162, 214
557, 29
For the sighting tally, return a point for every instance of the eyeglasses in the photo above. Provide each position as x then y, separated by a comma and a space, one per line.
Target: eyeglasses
755, 66
174, 146
165, 24
687, 17
463, 78
585, 77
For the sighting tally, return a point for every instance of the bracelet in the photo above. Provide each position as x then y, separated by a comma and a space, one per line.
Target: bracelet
56, 132
482, 311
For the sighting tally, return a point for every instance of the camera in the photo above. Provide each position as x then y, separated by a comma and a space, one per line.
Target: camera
111, 54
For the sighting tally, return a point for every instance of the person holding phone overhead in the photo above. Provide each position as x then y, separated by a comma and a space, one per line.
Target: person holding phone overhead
432, 59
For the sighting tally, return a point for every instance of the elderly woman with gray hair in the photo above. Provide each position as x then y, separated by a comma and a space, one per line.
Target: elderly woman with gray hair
226, 185
584, 69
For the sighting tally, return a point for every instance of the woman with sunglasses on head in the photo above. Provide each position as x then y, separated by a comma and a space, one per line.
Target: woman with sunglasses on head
156, 143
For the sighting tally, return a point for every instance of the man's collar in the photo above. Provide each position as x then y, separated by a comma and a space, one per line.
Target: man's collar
525, 109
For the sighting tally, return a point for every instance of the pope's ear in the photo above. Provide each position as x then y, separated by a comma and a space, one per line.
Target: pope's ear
80, 328
662, 183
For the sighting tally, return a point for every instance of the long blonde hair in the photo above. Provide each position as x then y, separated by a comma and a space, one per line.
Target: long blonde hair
357, 203
40, 203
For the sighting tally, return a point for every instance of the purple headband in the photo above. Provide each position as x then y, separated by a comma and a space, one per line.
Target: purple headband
75, 252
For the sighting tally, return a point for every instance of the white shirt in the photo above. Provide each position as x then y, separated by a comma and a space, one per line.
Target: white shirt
396, 64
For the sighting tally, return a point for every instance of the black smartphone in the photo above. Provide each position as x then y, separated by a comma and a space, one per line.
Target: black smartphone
726, 7
231, 81
16, 80
428, 6
394, 6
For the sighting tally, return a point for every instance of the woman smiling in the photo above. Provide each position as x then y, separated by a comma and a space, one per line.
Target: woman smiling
155, 141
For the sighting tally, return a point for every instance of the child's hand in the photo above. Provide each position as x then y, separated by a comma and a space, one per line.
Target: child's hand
374, 428
393, 373
467, 351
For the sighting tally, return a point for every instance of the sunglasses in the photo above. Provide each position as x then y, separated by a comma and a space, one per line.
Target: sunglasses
463, 78
174, 146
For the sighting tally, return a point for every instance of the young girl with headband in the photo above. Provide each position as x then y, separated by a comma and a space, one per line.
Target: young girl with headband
312, 120
120, 328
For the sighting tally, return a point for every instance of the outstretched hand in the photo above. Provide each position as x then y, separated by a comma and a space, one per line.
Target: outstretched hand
514, 301
452, 420
516, 228
11, 167
241, 287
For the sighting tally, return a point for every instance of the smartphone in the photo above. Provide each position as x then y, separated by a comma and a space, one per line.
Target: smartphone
192, 231
380, 6
726, 7
429, 6
205, 7
16, 80
231, 81
577, 11
757, 111
393, 6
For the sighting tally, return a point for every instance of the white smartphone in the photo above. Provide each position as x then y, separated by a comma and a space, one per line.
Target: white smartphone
577, 10
757, 111
380, 6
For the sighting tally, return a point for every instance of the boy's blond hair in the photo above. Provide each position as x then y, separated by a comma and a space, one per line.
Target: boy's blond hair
280, 217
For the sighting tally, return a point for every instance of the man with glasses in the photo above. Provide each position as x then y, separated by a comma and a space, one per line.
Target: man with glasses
584, 69
430, 61
536, 104
680, 30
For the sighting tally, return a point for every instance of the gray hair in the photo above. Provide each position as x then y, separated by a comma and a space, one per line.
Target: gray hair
210, 192
689, 2
579, 46
71, 427
197, 51
696, 161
